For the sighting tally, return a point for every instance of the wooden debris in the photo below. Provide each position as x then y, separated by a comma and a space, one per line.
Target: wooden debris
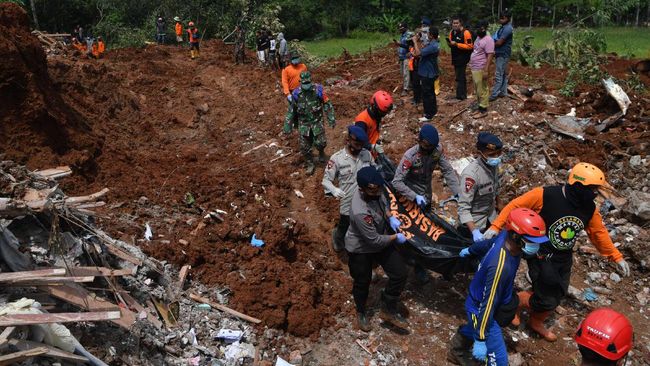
16, 357
54, 173
134, 304
224, 308
165, 312
51, 280
31, 275
4, 336
53, 352
29, 319
363, 346
82, 199
264, 144
279, 157
102, 271
182, 276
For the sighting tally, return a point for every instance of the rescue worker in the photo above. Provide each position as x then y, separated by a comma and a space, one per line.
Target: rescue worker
291, 74
479, 187
194, 39
95, 50
283, 51
414, 173
461, 45
178, 28
368, 241
101, 47
502, 50
381, 103
604, 338
479, 62
428, 72
402, 54
415, 79
240, 39
161, 32
308, 103
343, 166
567, 210
261, 40
488, 304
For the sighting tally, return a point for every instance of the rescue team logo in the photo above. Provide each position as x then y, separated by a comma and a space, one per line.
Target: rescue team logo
414, 221
563, 232
469, 184
368, 219
406, 165
330, 164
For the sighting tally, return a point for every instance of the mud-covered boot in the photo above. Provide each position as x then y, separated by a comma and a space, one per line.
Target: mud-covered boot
363, 323
337, 245
536, 323
309, 164
460, 350
322, 157
389, 313
524, 303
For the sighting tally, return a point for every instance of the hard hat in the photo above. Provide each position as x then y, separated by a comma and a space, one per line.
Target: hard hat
528, 224
382, 101
177, 19
607, 333
191, 24
159, 18
587, 174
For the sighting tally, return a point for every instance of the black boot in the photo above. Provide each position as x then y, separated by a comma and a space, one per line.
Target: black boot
322, 158
389, 312
363, 322
309, 164
460, 350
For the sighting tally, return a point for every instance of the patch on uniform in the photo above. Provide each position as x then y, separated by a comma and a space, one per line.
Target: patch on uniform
469, 183
330, 164
368, 219
407, 165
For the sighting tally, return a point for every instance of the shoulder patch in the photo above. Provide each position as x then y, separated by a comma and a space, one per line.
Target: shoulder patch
330, 164
407, 165
469, 184
368, 219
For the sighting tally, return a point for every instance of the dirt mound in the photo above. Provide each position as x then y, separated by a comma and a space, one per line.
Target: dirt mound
36, 126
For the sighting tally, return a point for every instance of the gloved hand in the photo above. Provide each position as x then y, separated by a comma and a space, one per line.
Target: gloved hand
289, 98
464, 253
623, 267
479, 350
476, 235
489, 234
378, 148
401, 239
286, 129
420, 201
394, 223
338, 193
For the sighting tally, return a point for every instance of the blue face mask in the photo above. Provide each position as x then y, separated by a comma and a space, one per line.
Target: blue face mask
530, 249
493, 161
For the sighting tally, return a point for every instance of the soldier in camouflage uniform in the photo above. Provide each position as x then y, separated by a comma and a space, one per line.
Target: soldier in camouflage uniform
240, 39
308, 102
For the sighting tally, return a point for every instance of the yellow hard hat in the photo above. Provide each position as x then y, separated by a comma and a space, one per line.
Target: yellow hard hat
588, 175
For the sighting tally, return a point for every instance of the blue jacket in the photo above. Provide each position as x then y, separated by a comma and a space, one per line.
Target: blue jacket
505, 33
492, 283
428, 66
403, 48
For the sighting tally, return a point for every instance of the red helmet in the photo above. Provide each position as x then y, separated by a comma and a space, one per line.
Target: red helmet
382, 101
528, 224
606, 332
191, 24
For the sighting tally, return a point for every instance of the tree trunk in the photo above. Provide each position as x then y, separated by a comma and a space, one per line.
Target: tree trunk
577, 12
493, 10
553, 19
532, 8
33, 6
638, 11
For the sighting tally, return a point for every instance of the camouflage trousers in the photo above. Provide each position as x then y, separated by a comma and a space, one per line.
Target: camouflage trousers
307, 142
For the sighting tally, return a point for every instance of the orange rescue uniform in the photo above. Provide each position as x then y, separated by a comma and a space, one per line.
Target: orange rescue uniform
291, 77
179, 29
595, 229
371, 126
101, 47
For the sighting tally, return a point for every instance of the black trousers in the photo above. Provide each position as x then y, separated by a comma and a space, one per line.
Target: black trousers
416, 87
550, 277
360, 265
428, 97
339, 232
461, 81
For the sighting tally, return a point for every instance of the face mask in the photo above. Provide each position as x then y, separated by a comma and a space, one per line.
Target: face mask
354, 150
369, 198
295, 62
530, 249
481, 33
305, 87
493, 161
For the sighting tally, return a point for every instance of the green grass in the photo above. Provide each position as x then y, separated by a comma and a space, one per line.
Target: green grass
624, 41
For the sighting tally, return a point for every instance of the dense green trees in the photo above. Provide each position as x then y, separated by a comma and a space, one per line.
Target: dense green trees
131, 22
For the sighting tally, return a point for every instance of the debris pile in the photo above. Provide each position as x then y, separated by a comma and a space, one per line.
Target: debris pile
52, 43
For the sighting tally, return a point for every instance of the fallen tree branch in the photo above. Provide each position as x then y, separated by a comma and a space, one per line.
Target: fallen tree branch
224, 308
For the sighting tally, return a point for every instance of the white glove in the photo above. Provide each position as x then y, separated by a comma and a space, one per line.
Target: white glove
489, 234
623, 267
289, 97
378, 148
338, 193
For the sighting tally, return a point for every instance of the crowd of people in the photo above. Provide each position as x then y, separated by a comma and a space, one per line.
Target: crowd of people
87, 44
541, 226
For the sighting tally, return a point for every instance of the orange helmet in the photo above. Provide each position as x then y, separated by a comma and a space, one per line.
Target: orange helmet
191, 24
382, 101
587, 174
607, 333
528, 224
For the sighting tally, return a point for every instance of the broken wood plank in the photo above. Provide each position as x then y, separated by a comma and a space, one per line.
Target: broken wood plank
16, 357
91, 197
364, 347
258, 147
53, 280
134, 304
4, 336
31, 275
182, 276
123, 254
224, 308
29, 319
53, 352
102, 271
76, 295
165, 312
279, 157
55, 173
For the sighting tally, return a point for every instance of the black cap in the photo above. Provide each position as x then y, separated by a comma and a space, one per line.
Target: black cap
369, 175
488, 141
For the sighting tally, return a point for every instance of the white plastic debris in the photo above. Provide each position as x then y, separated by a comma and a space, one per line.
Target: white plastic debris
148, 234
230, 335
298, 193
618, 94
282, 362
237, 351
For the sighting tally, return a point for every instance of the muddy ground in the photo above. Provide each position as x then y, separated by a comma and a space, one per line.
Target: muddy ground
153, 125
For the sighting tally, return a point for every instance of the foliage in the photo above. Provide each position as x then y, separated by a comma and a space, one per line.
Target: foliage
19, 2
358, 42
386, 22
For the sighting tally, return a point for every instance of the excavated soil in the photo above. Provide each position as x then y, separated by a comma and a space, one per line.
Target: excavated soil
153, 125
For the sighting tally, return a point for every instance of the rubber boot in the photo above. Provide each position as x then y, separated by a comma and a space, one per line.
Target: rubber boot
421, 275
337, 246
524, 303
460, 350
322, 158
309, 164
536, 323
389, 313
192, 55
362, 322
